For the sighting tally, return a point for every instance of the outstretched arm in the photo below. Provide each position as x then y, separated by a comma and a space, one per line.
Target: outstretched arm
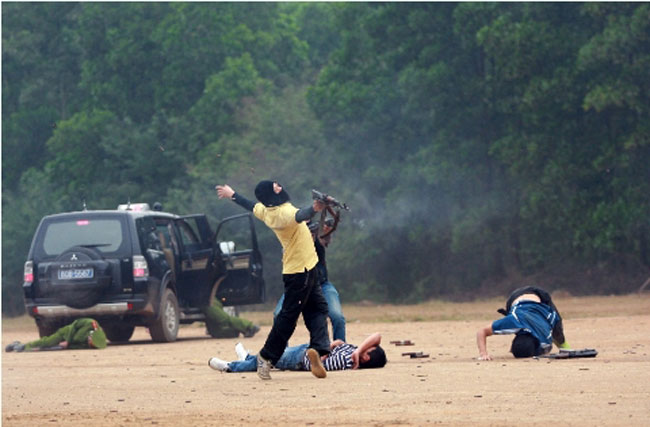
226, 192
481, 341
372, 341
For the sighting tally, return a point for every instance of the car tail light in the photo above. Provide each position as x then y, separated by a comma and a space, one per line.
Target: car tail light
29, 272
140, 267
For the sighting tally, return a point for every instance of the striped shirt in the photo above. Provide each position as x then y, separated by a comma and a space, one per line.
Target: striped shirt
340, 358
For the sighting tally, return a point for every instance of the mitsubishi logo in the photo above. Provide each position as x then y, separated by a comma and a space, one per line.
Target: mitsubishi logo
74, 257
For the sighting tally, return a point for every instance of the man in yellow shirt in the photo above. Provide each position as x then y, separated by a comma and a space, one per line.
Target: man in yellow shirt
299, 274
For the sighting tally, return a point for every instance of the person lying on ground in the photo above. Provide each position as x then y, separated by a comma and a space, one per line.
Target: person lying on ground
301, 358
82, 333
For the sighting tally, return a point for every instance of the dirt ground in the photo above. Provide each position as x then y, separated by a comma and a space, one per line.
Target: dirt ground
144, 383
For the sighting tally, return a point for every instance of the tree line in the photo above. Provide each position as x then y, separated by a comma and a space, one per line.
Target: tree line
479, 145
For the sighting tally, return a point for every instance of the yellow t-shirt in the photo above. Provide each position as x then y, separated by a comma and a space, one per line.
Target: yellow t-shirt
298, 251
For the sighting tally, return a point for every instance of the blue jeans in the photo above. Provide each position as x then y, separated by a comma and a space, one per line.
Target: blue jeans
334, 310
291, 360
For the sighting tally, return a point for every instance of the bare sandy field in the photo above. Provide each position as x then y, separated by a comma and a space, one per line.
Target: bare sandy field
144, 383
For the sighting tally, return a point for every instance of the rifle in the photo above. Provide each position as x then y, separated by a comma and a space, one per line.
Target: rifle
328, 200
570, 354
333, 207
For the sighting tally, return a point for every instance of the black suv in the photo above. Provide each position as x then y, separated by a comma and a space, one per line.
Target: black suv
138, 267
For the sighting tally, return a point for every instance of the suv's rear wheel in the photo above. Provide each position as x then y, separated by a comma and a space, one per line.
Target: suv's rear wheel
117, 331
165, 327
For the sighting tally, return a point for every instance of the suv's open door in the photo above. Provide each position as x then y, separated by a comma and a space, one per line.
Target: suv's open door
244, 283
197, 270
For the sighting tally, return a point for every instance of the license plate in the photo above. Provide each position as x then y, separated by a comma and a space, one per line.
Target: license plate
76, 273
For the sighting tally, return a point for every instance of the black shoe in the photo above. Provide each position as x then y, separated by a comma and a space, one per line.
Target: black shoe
251, 331
14, 346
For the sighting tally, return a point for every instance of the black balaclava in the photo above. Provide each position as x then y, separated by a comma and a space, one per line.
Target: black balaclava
265, 194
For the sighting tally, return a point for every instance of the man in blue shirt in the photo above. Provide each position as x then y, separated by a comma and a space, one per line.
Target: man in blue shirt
531, 315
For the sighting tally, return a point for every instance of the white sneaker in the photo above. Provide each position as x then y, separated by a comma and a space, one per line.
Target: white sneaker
218, 364
242, 353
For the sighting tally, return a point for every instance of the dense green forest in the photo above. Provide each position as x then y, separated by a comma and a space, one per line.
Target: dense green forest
479, 145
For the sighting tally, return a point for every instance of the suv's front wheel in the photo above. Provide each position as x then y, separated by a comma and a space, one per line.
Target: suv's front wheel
165, 327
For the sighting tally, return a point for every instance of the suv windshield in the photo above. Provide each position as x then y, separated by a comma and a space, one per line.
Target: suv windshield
104, 234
